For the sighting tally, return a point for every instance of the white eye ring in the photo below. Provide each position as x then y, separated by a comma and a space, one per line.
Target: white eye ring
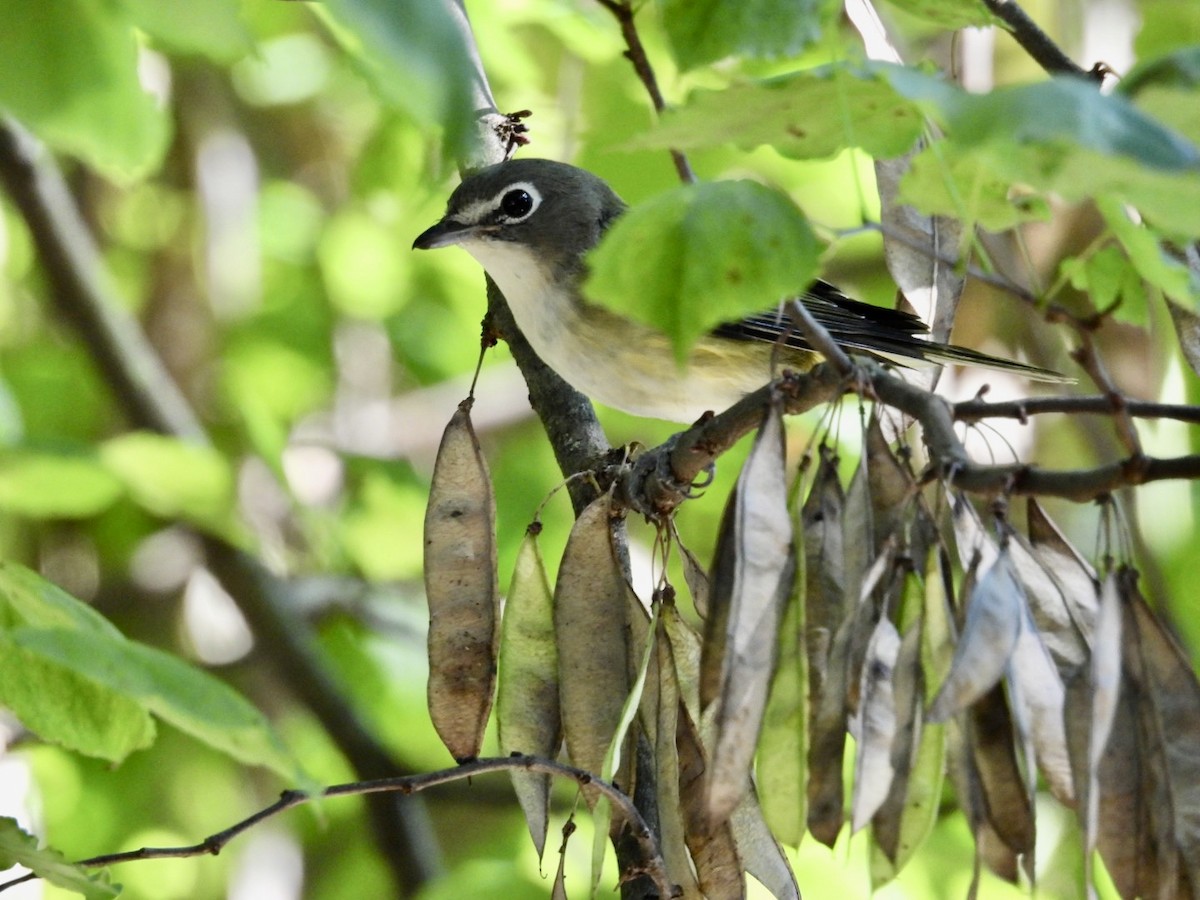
518, 201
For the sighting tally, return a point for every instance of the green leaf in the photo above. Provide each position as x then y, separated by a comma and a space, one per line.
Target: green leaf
1166, 25
55, 485
704, 31
1064, 136
950, 14
1067, 112
414, 56
969, 190
170, 477
1170, 276
19, 848
703, 254
805, 115
1106, 276
68, 71
64, 707
211, 28
188, 698
70, 676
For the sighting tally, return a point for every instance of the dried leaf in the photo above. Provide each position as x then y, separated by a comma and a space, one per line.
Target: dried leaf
1066, 566
760, 851
591, 627
527, 713
989, 636
1038, 699
751, 579
873, 770
461, 589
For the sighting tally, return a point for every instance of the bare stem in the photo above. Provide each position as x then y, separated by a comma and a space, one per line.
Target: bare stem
623, 12
652, 863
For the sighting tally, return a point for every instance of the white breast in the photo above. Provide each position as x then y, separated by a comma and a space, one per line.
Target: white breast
617, 362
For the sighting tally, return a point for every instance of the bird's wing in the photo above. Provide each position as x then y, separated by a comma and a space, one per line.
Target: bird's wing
889, 334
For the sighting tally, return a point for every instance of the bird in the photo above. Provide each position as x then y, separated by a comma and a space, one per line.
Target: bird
531, 222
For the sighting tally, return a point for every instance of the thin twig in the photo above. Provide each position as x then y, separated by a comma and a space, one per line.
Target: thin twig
623, 12
652, 863
1036, 42
977, 410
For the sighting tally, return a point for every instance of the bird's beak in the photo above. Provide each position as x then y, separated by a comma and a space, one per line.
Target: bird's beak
443, 234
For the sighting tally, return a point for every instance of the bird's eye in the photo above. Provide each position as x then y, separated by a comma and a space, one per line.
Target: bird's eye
516, 204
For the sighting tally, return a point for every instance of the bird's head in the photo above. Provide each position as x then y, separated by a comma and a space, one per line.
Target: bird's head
551, 211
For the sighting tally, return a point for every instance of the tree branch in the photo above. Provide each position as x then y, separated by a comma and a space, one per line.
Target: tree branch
979, 409
1037, 43
652, 861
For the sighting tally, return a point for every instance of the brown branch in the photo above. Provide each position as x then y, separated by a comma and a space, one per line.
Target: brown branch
1036, 42
652, 863
82, 290
977, 410
659, 479
635, 52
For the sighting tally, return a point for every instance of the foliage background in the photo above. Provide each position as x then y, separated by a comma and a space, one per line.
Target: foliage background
255, 208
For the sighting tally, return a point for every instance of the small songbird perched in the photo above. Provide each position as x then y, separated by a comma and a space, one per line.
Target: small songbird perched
531, 222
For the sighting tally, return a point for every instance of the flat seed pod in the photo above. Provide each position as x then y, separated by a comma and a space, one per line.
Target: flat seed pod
713, 849
527, 713
760, 851
873, 770
989, 636
782, 765
461, 589
591, 610
671, 826
750, 582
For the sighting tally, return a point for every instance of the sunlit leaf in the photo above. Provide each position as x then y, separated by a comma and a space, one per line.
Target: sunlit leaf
69, 71
704, 31
172, 478
213, 28
696, 256
461, 589
55, 485
950, 14
416, 59
809, 114
18, 848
